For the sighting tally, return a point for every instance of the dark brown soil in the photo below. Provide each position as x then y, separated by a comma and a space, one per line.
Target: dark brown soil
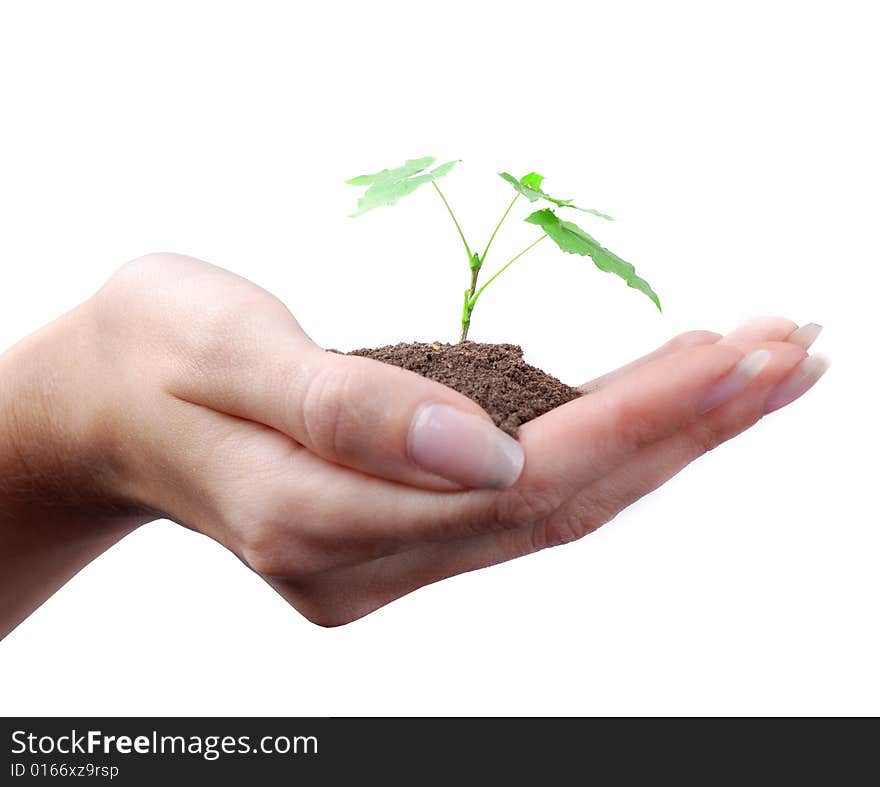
495, 376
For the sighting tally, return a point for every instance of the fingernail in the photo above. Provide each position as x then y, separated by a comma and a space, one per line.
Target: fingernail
464, 448
804, 377
735, 381
805, 335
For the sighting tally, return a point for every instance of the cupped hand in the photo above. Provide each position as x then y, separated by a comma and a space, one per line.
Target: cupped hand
348, 483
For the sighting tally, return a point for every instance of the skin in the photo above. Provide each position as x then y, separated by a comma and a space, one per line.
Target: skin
182, 391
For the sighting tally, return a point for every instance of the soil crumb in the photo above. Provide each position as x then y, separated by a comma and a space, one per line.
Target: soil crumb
495, 376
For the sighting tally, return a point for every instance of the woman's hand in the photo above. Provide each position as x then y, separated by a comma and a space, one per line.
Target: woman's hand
194, 395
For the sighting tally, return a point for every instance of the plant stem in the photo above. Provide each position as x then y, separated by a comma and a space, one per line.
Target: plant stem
498, 227
473, 299
476, 264
454, 220
467, 309
465, 315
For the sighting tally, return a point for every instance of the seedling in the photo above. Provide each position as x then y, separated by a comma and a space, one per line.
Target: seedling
390, 185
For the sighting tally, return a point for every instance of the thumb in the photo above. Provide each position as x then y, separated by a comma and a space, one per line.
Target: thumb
394, 423
367, 415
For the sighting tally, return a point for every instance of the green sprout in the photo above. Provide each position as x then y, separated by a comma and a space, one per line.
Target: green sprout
390, 185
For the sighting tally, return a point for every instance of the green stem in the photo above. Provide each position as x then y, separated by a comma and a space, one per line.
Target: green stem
455, 221
465, 316
467, 309
498, 227
473, 300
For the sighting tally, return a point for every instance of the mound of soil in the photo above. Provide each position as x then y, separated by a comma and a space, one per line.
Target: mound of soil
495, 376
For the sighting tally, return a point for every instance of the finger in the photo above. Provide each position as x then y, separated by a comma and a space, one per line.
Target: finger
397, 520
801, 380
583, 440
357, 412
760, 329
341, 595
300, 530
376, 519
805, 335
651, 467
747, 338
681, 342
750, 332
379, 520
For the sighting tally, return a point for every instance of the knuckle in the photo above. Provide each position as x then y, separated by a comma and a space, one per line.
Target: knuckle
323, 410
521, 507
261, 550
578, 520
143, 275
708, 433
690, 339
337, 417
147, 263
266, 542
276, 547
704, 438
225, 316
630, 427
266, 560
131, 280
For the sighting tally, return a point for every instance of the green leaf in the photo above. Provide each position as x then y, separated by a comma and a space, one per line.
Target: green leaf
532, 181
390, 185
443, 169
572, 239
409, 168
530, 187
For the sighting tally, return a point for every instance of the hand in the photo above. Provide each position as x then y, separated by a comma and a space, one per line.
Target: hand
348, 483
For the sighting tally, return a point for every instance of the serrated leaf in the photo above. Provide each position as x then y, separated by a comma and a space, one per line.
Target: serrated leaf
411, 167
388, 186
530, 187
443, 169
572, 239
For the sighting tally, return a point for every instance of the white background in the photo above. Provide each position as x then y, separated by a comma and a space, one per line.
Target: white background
736, 144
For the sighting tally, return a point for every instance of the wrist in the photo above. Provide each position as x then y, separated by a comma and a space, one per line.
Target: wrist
57, 451
59, 504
